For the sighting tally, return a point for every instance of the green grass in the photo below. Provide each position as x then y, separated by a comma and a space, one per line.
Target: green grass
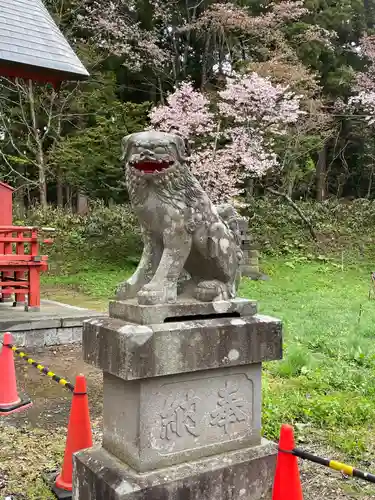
94, 279
325, 382
326, 378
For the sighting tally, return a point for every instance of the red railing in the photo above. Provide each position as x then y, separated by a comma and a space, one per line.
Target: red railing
21, 264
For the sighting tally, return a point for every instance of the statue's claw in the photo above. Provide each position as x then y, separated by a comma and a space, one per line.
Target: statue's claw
126, 290
152, 294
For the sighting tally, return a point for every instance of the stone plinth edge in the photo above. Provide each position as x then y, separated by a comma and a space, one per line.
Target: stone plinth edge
130, 310
130, 351
245, 474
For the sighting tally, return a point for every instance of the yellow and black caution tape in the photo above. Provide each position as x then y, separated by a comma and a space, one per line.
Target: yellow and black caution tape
332, 464
40, 367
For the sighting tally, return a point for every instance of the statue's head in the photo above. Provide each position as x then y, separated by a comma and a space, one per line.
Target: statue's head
152, 152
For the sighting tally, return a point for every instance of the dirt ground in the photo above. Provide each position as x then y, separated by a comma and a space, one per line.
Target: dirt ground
33, 442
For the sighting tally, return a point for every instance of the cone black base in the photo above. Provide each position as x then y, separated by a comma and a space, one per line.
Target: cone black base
59, 493
17, 407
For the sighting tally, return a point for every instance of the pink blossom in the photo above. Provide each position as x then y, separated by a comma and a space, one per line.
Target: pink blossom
216, 172
113, 30
364, 99
252, 98
289, 10
187, 112
230, 17
366, 80
316, 33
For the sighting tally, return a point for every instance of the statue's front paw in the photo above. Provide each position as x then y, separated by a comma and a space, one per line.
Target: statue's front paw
126, 290
208, 291
151, 295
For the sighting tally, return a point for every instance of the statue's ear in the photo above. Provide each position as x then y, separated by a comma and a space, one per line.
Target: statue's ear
125, 146
187, 147
183, 147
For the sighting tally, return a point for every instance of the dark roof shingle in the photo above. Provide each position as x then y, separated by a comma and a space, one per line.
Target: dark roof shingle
31, 45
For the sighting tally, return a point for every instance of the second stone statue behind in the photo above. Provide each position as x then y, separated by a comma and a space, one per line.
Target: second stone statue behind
191, 246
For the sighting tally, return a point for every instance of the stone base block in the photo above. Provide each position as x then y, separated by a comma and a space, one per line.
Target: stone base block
245, 474
163, 421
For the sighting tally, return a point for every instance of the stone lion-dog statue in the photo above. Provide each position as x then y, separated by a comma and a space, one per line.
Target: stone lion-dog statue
191, 247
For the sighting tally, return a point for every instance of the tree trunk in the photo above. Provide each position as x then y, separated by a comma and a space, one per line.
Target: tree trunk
39, 150
82, 204
19, 194
59, 189
42, 181
290, 181
297, 209
249, 191
205, 62
68, 196
321, 174
369, 187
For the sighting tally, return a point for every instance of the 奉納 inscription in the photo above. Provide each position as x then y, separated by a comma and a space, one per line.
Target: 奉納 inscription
179, 416
229, 408
203, 411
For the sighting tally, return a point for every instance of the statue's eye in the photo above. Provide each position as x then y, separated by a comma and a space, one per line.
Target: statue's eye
160, 150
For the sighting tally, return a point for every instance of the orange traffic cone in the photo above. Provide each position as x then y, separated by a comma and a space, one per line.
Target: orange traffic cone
10, 402
79, 435
287, 484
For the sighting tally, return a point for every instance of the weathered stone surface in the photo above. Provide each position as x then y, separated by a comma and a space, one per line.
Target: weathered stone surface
41, 323
19, 338
39, 338
132, 351
130, 310
63, 336
164, 421
245, 474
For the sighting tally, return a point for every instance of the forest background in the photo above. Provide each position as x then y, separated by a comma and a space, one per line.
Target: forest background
276, 98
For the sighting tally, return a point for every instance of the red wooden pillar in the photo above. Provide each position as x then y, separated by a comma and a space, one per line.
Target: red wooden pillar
34, 276
20, 275
34, 289
6, 219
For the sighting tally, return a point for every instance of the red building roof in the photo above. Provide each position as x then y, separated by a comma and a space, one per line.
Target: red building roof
3, 185
32, 46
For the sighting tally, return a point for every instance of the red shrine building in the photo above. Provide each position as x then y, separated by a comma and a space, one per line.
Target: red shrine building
32, 48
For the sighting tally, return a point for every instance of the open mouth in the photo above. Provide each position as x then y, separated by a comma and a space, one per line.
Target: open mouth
149, 167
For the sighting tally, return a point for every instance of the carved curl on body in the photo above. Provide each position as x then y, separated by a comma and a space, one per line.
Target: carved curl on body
184, 234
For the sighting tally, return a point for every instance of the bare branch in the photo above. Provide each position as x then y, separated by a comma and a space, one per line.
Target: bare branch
297, 209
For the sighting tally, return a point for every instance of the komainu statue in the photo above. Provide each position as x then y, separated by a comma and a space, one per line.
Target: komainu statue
191, 247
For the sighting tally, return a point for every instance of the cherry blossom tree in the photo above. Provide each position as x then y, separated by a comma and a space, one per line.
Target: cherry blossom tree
186, 111
232, 34
364, 98
233, 137
113, 29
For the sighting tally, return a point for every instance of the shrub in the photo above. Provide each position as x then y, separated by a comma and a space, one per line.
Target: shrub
340, 226
106, 234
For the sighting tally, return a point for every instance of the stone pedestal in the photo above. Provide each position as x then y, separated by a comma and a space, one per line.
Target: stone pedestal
250, 258
182, 402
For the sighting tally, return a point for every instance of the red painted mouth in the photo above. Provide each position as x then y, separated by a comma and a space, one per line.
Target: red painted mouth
149, 167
